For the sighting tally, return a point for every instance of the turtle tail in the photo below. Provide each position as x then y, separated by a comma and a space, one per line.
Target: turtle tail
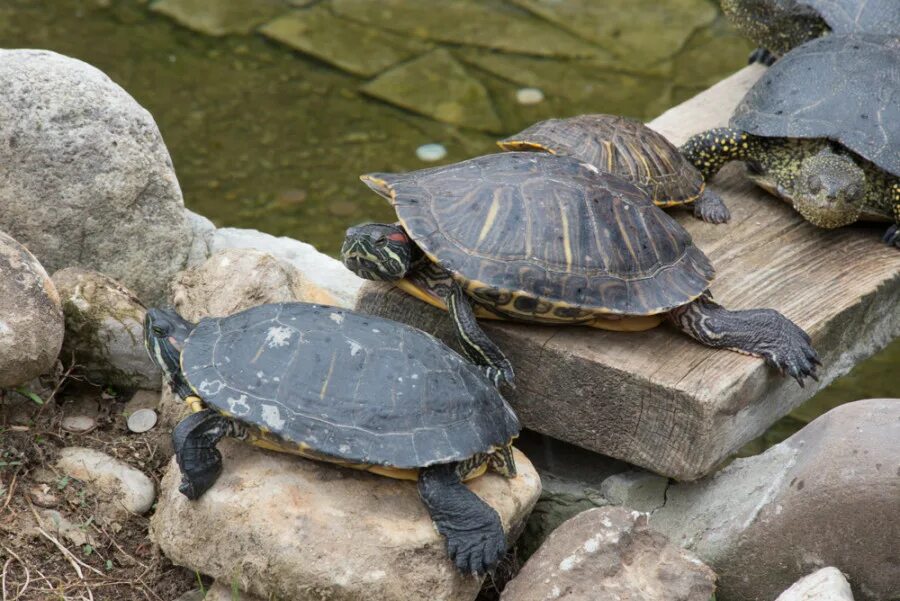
503, 462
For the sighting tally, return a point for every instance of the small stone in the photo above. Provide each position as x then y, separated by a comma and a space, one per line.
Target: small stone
290, 198
142, 420
342, 208
220, 591
529, 96
56, 523
827, 584
78, 423
198, 595
42, 497
142, 399
123, 487
611, 553
431, 152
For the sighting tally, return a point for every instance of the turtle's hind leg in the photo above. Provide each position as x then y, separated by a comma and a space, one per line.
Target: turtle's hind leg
474, 533
892, 236
195, 438
764, 333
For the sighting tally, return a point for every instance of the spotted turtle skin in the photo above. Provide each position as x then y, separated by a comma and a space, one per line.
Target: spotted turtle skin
619, 145
347, 386
548, 238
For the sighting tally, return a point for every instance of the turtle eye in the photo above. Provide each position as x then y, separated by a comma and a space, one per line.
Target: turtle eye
814, 183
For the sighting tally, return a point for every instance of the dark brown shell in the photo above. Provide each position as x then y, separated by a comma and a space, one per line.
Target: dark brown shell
619, 145
549, 228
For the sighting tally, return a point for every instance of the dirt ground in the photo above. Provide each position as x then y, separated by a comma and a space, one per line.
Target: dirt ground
97, 560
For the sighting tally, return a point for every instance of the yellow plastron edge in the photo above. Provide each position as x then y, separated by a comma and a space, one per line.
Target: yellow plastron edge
634, 323
302, 450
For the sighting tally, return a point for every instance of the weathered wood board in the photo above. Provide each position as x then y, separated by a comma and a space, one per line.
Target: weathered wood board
662, 401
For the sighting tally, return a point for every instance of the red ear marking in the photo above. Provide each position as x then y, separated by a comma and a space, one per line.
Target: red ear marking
398, 237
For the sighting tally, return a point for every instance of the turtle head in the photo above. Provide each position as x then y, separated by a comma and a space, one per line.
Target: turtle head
830, 190
378, 251
165, 332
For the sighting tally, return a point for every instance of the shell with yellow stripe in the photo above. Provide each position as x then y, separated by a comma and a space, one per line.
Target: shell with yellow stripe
619, 145
548, 239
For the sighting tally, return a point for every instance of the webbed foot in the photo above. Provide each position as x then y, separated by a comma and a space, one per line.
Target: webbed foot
194, 439
762, 56
474, 533
892, 236
711, 208
764, 333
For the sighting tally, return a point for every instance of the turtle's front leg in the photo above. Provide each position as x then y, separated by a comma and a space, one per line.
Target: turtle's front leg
474, 533
710, 150
762, 56
195, 438
711, 208
480, 349
764, 333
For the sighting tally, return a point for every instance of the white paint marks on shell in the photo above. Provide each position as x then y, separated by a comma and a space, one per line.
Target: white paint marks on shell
260, 375
238, 407
590, 167
278, 336
376, 330
344, 448
272, 417
355, 347
431, 152
210, 388
529, 96
337, 318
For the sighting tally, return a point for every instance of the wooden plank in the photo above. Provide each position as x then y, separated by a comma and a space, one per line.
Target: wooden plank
662, 401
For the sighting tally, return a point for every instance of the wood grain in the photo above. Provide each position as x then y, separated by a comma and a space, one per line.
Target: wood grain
662, 401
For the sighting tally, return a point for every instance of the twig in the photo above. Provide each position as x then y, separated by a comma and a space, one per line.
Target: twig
22, 588
12, 488
68, 554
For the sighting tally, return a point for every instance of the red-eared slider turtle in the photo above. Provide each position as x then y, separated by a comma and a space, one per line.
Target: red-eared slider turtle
542, 238
338, 386
780, 25
630, 149
821, 130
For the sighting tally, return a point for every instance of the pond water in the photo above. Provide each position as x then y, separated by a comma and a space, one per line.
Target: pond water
271, 109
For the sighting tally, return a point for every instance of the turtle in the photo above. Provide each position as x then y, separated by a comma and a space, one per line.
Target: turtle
630, 149
821, 130
338, 386
781, 25
541, 238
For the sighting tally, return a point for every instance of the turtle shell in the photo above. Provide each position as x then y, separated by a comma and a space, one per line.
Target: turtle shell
858, 16
350, 386
618, 145
550, 231
842, 87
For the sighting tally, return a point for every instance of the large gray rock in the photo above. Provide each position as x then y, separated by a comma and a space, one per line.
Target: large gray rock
827, 496
31, 318
104, 330
283, 526
85, 178
827, 584
610, 553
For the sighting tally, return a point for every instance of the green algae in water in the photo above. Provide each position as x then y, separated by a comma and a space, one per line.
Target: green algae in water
220, 17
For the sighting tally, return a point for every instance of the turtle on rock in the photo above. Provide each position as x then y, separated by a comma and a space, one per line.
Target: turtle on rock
550, 239
338, 386
630, 149
777, 26
821, 130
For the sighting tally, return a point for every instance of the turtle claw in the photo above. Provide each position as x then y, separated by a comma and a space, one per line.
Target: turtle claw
711, 208
477, 552
892, 236
761, 56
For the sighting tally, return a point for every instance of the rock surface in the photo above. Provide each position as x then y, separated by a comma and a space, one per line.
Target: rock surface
31, 318
123, 489
638, 490
104, 330
85, 178
239, 278
765, 521
827, 584
322, 271
610, 553
223, 592
304, 529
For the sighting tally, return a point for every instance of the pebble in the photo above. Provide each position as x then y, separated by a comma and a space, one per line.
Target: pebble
529, 96
142, 420
78, 423
42, 497
127, 487
431, 152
